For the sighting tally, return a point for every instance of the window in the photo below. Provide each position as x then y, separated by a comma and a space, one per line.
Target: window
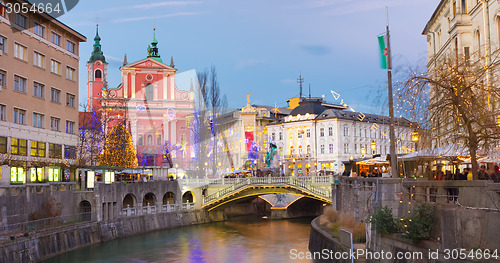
19, 84
355, 148
70, 100
70, 46
18, 146
38, 120
330, 131
158, 139
3, 79
346, 131
55, 95
38, 90
464, 7
454, 7
55, 150
55, 67
70, 73
3, 45
322, 149
346, 148
38, 59
70, 127
141, 140
281, 136
69, 152
19, 116
39, 30
299, 134
365, 134
54, 123
98, 74
149, 140
149, 91
466, 54
37, 149
273, 138
308, 150
3, 113
56, 39
308, 133
292, 150
20, 20
3, 144
330, 147
20, 51
2, 10
322, 132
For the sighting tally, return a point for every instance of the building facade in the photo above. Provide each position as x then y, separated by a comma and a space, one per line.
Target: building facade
243, 136
38, 97
315, 138
148, 101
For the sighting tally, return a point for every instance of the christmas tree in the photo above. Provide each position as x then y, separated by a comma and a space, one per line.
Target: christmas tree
118, 149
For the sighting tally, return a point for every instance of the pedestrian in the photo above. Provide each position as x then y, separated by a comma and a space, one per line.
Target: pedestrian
483, 175
439, 176
495, 176
463, 176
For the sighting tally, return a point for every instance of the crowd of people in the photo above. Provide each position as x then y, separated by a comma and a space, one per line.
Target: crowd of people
467, 175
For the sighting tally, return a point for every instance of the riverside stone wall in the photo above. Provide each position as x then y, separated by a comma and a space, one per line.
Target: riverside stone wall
42, 245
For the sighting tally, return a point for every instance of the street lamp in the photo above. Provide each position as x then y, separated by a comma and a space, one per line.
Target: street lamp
363, 151
415, 136
373, 146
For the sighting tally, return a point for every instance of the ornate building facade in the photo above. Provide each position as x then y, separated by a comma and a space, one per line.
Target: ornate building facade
148, 102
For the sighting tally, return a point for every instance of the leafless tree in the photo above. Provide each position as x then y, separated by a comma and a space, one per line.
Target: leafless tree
455, 102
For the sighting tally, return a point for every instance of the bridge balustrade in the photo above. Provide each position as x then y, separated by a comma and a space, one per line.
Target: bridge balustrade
149, 209
169, 208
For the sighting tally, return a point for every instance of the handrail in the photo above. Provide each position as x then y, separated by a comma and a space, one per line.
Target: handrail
299, 183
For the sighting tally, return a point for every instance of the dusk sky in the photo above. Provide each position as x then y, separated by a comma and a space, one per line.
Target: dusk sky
261, 47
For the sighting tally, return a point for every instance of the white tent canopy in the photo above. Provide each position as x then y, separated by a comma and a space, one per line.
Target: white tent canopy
451, 150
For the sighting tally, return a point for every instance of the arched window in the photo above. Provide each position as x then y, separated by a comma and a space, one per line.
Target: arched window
149, 92
291, 150
150, 140
300, 149
98, 74
308, 149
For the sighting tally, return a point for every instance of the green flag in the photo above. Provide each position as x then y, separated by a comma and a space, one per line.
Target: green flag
382, 42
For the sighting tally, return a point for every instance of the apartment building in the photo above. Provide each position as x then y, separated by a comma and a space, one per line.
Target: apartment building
38, 97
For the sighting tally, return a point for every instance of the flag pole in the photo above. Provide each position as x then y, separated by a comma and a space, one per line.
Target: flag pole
392, 135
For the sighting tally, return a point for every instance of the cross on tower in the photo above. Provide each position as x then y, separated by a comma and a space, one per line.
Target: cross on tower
300, 80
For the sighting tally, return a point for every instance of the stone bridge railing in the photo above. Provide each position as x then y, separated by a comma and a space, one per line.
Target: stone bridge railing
295, 182
133, 211
325, 181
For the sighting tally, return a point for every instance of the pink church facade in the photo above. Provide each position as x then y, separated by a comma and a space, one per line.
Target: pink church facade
148, 102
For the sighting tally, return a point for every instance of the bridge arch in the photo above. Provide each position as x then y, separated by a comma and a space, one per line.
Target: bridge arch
188, 197
169, 198
149, 198
129, 200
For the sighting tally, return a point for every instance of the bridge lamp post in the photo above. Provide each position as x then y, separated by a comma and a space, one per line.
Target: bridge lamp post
316, 168
293, 161
176, 175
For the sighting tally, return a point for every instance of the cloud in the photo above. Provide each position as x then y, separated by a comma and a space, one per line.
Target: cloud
250, 63
344, 7
142, 18
318, 50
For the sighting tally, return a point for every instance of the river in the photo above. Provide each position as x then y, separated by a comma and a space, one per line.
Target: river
242, 240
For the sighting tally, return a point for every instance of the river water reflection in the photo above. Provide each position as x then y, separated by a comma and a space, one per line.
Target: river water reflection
237, 241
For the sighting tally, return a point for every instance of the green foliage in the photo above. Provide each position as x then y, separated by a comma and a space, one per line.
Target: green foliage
418, 227
383, 221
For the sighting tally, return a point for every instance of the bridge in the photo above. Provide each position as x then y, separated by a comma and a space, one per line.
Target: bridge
217, 192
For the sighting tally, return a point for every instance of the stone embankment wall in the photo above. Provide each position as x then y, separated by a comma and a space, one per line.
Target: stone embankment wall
470, 222
43, 245
322, 244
